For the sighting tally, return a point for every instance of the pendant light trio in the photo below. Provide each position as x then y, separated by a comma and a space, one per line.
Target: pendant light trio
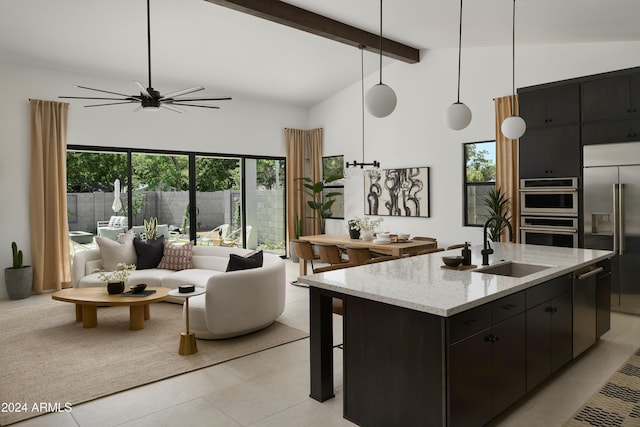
458, 115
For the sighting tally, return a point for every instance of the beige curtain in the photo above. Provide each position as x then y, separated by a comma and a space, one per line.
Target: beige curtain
48, 196
304, 158
507, 162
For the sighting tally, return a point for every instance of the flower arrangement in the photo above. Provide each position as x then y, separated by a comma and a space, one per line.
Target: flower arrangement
119, 275
365, 224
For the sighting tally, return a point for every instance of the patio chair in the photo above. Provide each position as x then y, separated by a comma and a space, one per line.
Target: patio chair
112, 228
231, 239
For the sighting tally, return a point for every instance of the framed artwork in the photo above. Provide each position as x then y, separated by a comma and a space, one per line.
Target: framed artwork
397, 192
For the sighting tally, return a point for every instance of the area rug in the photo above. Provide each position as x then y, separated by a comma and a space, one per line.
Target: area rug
617, 403
47, 357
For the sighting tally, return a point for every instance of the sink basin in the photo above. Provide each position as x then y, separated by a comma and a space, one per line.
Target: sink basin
512, 269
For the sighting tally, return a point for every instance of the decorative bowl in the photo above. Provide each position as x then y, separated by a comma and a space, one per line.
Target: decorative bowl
138, 288
403, 236
114, 288
452, 261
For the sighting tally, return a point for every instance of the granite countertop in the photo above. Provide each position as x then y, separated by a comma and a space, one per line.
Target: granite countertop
420, 283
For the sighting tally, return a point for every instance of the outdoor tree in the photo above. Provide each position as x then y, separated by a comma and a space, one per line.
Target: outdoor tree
480, 167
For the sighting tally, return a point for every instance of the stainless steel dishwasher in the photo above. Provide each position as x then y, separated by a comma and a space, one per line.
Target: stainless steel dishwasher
584, 308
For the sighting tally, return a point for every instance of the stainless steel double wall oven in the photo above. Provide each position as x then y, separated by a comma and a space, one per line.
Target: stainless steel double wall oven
549, 211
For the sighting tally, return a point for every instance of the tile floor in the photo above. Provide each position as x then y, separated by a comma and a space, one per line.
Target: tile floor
271, 388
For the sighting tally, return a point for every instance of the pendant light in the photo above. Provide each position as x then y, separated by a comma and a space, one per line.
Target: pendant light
352, 168
513, 127
458, 115
381, 100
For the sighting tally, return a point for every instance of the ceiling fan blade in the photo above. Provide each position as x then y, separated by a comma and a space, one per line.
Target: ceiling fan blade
142, 89
106, 91
182, 92
172, 108
193, 105
91, 97
111, 103
201, 99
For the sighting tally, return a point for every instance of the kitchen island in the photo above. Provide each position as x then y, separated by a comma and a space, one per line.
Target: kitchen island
424, 345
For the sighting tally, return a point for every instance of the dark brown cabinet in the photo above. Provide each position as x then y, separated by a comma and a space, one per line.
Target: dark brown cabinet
549, 107
487, 363
549, 329
550, 152
611, 98
611, 131
603, 299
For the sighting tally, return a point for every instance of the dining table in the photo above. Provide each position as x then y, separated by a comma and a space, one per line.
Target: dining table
400, 248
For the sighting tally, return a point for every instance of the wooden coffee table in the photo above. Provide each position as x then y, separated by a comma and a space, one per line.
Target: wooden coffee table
87, 301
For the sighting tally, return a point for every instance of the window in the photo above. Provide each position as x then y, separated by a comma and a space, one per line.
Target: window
334, 166
190, 194
479, 179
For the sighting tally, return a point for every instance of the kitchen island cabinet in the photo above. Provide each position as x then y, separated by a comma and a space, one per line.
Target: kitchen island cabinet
417, 336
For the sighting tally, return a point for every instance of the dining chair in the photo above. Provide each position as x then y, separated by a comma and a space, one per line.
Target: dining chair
429, 251
304, 250
360, 256
458, 246
330, 254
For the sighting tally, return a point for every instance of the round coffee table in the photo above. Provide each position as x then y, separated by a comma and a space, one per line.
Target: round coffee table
87, 301
187, 339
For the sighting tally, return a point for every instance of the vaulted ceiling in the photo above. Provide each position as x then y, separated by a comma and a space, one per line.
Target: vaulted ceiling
237, 54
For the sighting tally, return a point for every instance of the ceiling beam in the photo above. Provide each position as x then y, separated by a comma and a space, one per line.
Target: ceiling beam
304, 20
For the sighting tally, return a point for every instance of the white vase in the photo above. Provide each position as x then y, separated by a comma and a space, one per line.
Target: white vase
366, 234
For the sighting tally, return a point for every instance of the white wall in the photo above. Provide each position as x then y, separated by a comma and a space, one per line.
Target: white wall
242, 126
415, 133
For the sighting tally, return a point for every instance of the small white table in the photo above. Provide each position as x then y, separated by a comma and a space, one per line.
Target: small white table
187, 339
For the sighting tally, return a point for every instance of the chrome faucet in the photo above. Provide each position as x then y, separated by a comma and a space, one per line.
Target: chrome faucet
487, 246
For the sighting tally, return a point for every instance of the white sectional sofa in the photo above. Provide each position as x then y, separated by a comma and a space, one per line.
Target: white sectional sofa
235, 302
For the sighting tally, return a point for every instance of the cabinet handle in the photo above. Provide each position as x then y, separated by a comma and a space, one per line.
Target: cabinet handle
590, 273
548, 309
490, 338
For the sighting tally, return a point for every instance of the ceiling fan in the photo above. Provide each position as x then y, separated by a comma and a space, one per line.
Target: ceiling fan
149, 98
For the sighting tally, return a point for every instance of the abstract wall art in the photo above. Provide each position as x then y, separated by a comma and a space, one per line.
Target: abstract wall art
397, 192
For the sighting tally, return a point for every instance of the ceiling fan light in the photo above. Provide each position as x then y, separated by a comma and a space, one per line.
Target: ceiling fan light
457, 116
513, 127
381, 100
150, 108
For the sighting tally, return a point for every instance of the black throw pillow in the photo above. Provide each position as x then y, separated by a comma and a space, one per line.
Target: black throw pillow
149, 252
251, 260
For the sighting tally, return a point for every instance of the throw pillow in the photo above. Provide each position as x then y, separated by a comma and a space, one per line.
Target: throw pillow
115, 252
239, 262
176, 257
149, 252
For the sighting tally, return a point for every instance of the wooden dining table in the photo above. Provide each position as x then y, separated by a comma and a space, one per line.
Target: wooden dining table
408, 247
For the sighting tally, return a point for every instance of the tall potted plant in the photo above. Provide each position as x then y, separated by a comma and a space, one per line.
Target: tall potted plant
320, 202
19, 277
497, 204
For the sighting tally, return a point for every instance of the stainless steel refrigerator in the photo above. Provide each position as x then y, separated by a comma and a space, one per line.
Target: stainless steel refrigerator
611, 208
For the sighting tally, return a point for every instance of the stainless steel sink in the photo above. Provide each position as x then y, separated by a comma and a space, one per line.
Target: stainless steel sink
511, 269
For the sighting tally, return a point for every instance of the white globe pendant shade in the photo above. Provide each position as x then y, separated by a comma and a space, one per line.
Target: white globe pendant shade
457, 116
380, 100
513, 127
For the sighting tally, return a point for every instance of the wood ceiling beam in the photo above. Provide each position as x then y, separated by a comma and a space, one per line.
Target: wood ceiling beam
304, 20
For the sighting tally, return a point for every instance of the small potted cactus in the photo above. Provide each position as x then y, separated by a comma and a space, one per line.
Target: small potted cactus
19, 277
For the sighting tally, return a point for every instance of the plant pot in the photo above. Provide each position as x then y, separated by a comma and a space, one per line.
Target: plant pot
292, 253
19, 282
354, 234
115, 288
366, 234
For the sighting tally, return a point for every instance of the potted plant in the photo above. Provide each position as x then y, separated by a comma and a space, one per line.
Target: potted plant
367, 226
497, 204
151, 228
297, 232
354, 228
320, 202
19, 277
116, 279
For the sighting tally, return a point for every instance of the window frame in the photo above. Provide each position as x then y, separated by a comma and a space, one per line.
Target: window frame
468, 184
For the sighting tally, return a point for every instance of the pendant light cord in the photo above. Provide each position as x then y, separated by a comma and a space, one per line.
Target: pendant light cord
513, 59
381, 41
362, 93
459, 50
149, 42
